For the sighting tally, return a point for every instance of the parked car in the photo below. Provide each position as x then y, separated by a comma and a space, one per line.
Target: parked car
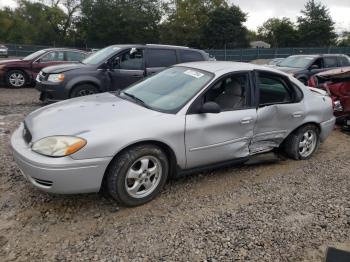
17, 73
186, 118
112, 68
337, 83
3, 51
303, 67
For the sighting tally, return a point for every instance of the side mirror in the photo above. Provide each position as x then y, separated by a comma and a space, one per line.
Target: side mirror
105, 65
314, 67
210, 107
133, 50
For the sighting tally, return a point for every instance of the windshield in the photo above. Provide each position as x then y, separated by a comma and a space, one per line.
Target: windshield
34, 55
170, 89
100, 56
296, 61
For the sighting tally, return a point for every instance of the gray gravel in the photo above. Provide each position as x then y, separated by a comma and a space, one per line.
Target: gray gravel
271, 211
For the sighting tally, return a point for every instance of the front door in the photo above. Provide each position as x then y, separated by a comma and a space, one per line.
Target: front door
127, 68
280, 111
213, 138
49, 59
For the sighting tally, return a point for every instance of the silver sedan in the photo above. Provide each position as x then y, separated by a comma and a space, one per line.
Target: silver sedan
188, 117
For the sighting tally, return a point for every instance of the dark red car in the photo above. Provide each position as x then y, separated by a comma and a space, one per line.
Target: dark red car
337, 83
20, 72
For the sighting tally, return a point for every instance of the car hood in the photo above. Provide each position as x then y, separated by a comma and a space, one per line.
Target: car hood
10, 61
63, 68
287, 69
85, 114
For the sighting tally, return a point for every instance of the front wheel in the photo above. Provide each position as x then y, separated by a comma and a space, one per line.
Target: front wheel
16, 79
83, 90
137, 175
302, 143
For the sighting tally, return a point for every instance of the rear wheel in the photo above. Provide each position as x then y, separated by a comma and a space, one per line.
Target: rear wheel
302, 143
83, 90
137, 175
16, 79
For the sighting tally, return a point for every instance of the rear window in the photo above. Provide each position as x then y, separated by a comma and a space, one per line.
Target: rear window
330, 61
190, 56
161, 57
344, 61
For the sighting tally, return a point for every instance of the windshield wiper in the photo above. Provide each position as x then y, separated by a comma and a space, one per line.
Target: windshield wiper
138, 100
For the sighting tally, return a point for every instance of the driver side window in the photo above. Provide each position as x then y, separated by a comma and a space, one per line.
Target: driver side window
230, 93
53, 56
129, 60
318, 62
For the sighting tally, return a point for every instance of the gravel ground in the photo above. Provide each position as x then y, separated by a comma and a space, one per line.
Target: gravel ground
273, 210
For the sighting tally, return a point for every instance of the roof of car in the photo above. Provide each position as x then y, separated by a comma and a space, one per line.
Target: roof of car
63, 49
320, 55
154, 46
223, 67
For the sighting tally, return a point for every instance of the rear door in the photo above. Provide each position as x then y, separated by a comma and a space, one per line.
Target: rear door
158, 59
280, 110
213, 138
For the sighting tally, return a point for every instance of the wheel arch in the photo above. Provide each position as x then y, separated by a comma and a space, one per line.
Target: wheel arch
169, 152
302, 125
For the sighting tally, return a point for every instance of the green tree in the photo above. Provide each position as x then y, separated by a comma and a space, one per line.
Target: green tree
279, 32
345, 39
185, 20
315, 26
106, 22
225, 28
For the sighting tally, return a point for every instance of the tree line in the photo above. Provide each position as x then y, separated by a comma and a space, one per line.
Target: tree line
203, 24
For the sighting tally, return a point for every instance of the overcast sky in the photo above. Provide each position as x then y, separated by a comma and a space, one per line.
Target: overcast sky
260, 10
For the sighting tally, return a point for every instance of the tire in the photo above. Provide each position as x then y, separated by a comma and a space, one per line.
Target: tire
83, 90
16, 79
137, 175
300, 145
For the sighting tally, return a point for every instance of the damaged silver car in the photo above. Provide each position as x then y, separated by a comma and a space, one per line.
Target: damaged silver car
188, 117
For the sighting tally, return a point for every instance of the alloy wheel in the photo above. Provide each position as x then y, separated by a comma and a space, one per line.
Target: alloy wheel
17, 79
143, 176
308, 143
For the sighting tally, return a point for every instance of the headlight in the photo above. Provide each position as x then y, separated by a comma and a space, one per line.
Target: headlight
56, 78
58, 146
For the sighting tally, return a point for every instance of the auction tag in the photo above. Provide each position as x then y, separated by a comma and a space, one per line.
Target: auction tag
193, 73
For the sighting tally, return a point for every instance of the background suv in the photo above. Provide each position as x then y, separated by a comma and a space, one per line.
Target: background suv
112, 68
305, 66
17, 73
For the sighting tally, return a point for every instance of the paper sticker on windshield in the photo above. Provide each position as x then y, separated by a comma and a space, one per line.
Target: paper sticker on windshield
194, 73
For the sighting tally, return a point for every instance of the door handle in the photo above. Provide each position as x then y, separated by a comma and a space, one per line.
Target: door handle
246, 120
298, 114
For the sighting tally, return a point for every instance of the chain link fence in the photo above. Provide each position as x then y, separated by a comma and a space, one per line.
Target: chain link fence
243, 55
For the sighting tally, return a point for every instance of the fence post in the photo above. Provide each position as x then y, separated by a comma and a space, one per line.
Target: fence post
241, 60
225, 52
258, 53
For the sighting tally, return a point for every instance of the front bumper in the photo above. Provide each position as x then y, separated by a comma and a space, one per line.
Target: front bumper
327, 128
63, 175
51, 91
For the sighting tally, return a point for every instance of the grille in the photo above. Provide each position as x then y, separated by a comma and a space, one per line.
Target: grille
43, 182
42, 76
27, 135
